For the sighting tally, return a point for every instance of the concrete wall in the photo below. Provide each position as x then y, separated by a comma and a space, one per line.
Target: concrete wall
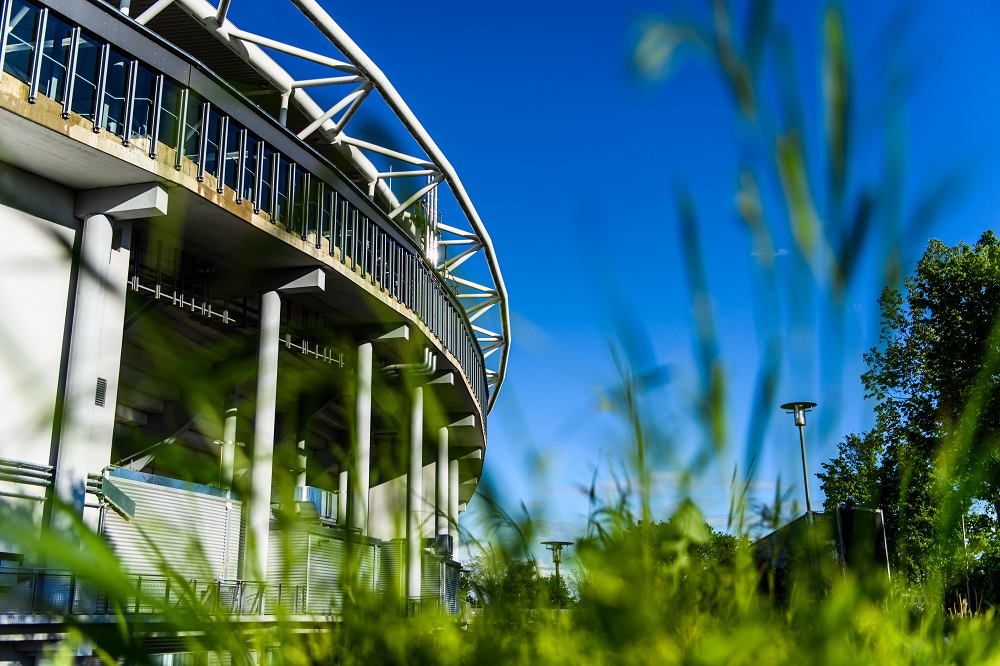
36, 251
387, 509
39, 231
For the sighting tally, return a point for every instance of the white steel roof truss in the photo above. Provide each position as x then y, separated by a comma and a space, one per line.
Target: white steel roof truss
417, 196
353, 99
288, 49
332, 81
481, 309
362, 70
460, 259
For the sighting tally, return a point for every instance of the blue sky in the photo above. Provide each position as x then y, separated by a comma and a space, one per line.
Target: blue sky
570, 159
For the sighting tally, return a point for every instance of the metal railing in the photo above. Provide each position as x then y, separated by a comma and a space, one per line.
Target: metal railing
96, 80
28, 592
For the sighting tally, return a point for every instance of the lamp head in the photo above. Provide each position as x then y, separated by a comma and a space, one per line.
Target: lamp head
556, 548
799, 409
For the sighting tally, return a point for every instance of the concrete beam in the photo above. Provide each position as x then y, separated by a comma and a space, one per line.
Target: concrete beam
468, 421
283, 280
126, 202
311, 282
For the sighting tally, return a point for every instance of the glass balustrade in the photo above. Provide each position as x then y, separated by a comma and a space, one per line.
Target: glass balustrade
131, 100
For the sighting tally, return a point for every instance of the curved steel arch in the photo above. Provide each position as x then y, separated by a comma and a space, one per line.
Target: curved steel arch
361, 69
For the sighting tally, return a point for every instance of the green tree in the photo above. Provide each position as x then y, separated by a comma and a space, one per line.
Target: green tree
688, 539
557, 589
497, 580
935, 377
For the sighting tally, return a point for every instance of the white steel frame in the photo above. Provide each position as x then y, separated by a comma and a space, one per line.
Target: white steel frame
477, 299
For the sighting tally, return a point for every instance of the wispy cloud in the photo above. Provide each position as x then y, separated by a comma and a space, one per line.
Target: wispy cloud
780, 252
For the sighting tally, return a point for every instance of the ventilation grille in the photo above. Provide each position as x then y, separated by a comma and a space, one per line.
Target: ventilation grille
102, 391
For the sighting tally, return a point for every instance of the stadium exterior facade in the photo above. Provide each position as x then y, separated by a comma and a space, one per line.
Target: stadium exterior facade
230, 346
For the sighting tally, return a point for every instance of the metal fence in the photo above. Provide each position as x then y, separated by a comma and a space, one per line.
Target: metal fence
46, 592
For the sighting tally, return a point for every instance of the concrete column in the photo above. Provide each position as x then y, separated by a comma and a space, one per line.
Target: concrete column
259, 515
441, 494
453, 505
302, 457
227, 463
79, 401
361, 455
415, 497
342, 498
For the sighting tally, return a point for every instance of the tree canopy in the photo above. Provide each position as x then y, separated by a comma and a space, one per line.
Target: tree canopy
932, 456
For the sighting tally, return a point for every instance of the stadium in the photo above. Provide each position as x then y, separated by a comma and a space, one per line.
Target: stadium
254, 325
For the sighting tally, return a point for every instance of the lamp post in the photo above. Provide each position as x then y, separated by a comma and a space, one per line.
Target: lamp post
799, 409
556, 547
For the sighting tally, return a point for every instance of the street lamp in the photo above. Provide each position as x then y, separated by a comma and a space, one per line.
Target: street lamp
799, 409
556, 547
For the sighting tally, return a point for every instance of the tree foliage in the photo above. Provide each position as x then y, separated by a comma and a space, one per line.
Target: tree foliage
935, 378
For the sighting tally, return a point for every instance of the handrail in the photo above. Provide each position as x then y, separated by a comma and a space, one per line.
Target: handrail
32, 592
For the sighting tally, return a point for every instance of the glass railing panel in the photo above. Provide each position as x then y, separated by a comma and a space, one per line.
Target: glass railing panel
17, 59
55, 55
170, 113
280, 184
115, 91
88, 60
266, 179
314, 205
193, 129
232, 156
339, 224
250, 167
300, 194
145, 99
212, 160
304, 203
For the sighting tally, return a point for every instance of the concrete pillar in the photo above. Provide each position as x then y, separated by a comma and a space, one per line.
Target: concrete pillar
342, 498
361, 454
415, 497
453, 505
79, 402
261, 463
441, 494
301, 450
227, 463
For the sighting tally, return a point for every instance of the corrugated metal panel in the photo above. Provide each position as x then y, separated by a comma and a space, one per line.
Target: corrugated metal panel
452, 585
286, 557
195, 534
367, 555
287, 552
432, 580
392, 572
326, 563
